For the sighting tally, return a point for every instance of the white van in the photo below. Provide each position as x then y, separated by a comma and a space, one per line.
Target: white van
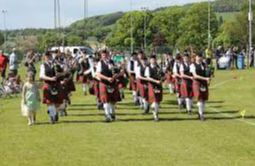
73, 49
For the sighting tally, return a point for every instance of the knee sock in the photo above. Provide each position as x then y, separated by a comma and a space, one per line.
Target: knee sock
200, 108
135, 96
84, 87
107, 108
145, 104
112, 109
170, 86
180, 100
141, 102
52, 110
188, 104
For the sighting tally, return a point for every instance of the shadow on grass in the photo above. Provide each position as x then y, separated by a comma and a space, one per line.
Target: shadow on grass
212, 102
83, 109
147, 120
83, 105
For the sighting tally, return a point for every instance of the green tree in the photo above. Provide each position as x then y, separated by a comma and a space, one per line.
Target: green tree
1, 39
194, 27
121, 35
165, 23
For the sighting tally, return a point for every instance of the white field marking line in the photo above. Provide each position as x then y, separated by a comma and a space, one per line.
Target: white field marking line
226, 114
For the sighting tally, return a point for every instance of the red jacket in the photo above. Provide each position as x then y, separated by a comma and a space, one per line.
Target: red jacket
3, 62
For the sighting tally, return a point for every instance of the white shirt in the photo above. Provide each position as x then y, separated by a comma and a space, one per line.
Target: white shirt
13, 62
42, 71
99, 67
147, 70
175, 71
182, 67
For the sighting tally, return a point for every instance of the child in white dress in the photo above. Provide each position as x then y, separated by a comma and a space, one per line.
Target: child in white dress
30, 99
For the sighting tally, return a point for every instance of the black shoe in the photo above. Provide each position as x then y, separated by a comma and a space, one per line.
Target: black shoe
202, 118
108, 120
113, 117
190, 112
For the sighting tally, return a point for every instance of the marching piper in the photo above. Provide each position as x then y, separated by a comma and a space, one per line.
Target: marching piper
153, 74
50, 88
200, 85
186, 91
109, 93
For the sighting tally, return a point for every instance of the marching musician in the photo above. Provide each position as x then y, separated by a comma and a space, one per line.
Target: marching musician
154, 75
200, 84
178, 80
109, 93
142, 84
50, 88
186, 91
132, 77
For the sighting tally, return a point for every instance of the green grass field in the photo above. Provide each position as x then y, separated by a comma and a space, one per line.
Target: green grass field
227, 16
82, 138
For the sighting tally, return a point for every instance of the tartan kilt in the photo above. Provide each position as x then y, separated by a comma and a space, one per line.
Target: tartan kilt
107, 97
82, 79
186, 89
70, 86
198, 94
122, 83
177, 85
96, 88
169, 78
132, 82
143, 89
154, 97
48, 98
63, 93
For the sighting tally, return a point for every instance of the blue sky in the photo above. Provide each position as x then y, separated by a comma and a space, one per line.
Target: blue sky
39, 13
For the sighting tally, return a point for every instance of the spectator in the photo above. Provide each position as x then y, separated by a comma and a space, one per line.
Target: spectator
3, 64
14, 62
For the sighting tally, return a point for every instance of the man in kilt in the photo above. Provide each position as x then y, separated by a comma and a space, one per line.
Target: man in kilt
84, 72
132, 77
186, 91
142, 84
51, 95
200, 84
154, 75
169, 64
178, 80
95, 85
109, 93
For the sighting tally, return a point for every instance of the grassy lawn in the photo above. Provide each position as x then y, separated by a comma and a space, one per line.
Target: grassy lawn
227, 16
83, 138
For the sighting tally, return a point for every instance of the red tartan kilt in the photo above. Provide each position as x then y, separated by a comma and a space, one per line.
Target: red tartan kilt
122, 82
177, 86
154, 97
96, 88
132, 83
63, 93
82, 79
106, 97
197, 92
142, 90
48, 98
71, 86
186, 89
169, 79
